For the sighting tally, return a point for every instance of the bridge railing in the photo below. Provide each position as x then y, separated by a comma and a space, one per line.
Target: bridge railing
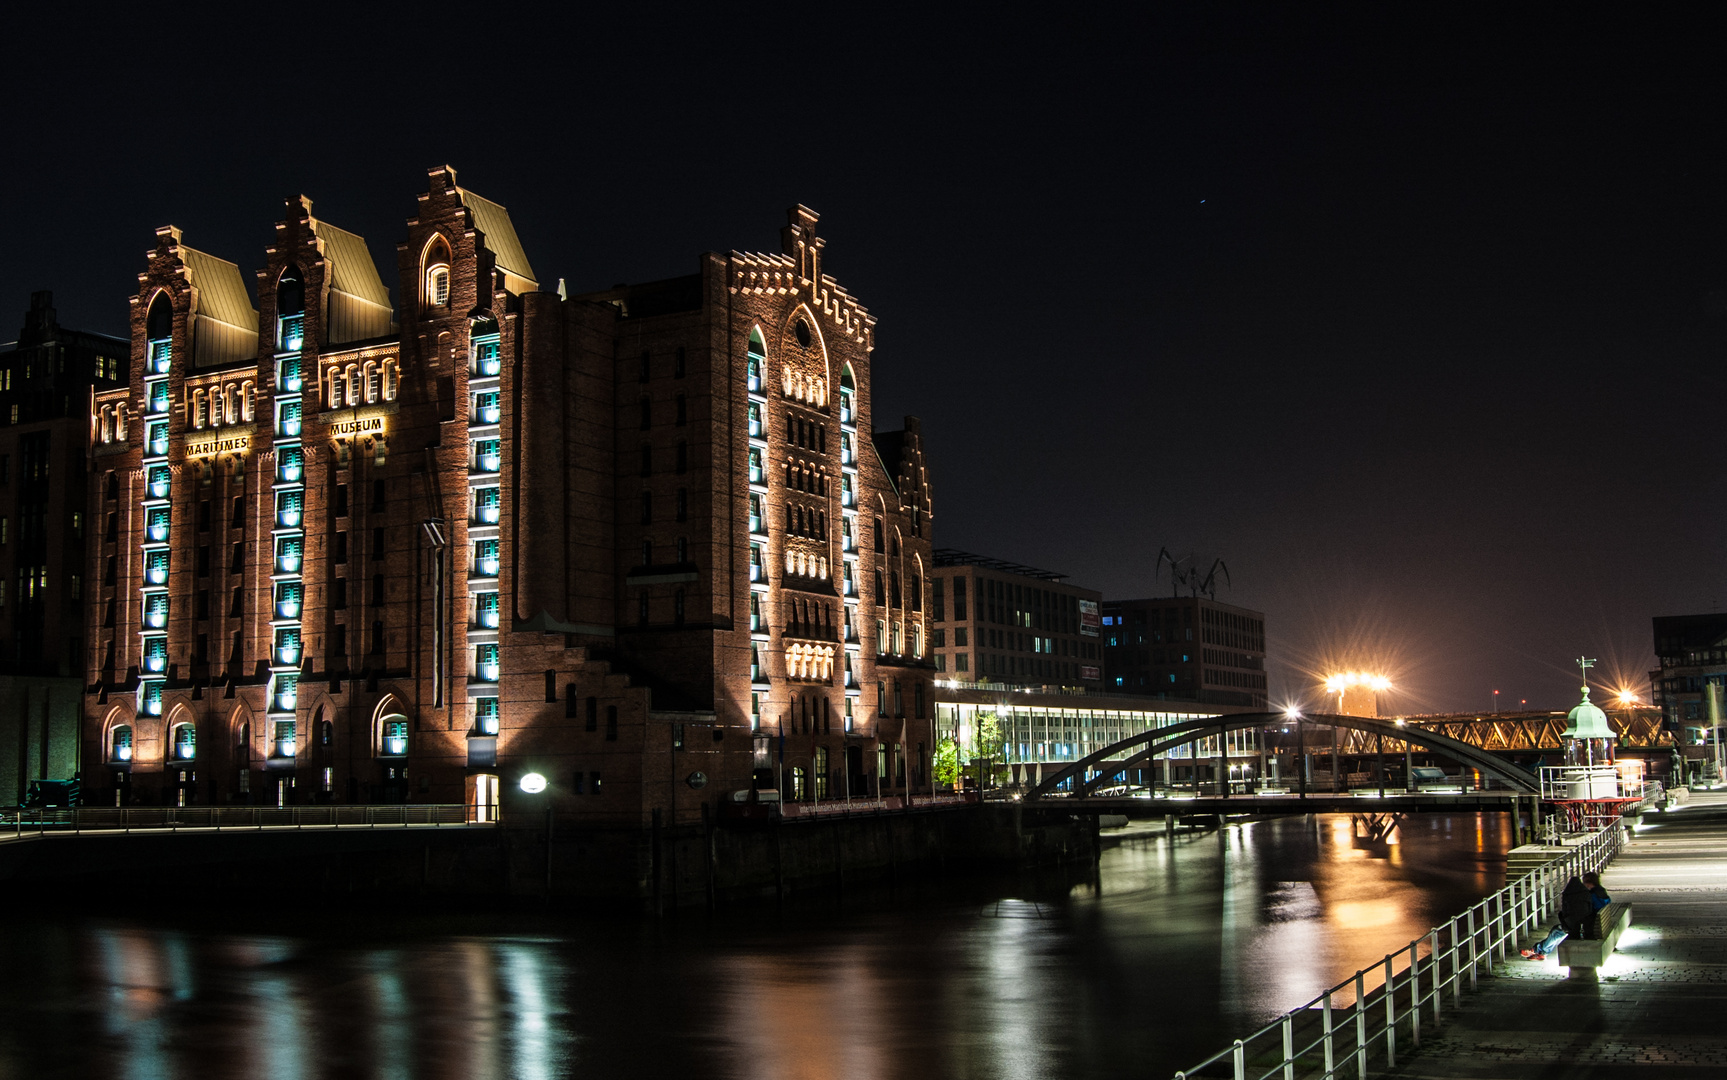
1363, 1020
108, 819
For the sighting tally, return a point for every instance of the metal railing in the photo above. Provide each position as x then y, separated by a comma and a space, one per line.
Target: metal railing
125, 819
1365, 1016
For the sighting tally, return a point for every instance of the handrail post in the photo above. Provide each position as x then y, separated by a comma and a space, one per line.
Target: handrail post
1288, 1046
1361, 1023
1414, 995
1390, 1015
1330, 1052
1456, 965
1239, 1054
1438, 972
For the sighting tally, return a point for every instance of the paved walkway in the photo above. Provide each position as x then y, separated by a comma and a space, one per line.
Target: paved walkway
1660, 1008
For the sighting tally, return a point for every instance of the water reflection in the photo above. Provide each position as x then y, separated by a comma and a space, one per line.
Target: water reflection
1166, 951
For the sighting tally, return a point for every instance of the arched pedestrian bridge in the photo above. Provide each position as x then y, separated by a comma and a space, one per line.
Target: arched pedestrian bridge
1107, 767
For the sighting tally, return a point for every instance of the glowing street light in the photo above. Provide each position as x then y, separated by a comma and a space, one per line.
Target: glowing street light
1627, 698
1357, 692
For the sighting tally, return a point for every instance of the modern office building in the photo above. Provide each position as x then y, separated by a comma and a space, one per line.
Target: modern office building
1004, 623
46, 379
1691, 683
1188, 648
643, 545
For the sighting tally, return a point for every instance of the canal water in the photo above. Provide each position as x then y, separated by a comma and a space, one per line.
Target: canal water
1165, 953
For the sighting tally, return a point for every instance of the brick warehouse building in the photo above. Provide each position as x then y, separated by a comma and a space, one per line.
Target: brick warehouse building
642, 542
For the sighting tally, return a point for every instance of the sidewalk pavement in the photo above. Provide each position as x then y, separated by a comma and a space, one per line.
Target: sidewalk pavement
1659, 1008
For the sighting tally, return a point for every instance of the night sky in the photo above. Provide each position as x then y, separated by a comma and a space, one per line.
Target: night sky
1418, 325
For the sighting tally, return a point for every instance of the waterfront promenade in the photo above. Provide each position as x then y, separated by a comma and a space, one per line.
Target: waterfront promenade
1656, 1011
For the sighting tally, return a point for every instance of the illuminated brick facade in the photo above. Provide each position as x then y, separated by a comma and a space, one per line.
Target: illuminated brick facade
628, 540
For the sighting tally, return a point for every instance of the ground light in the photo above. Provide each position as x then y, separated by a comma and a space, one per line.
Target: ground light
533, 783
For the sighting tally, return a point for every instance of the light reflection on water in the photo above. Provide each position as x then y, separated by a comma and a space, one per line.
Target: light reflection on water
1161, 956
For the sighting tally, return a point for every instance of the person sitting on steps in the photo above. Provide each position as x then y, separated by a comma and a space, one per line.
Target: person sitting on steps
1577, 907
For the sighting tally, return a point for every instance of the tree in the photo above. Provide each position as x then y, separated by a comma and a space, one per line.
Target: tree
947, 761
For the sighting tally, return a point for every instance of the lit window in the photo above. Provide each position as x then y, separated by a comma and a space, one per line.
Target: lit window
486, 609
160, 481
288, 508
438, 286
486, 715
156, 566
150, 697
486, 558
487, 359
488, 455
185, 742
486, 662
121, 743
486, 504
287, 418
156, 610
287, 648
285, 692
284, 741
287, 600
486, 407
155, 438
156, 654
290, 464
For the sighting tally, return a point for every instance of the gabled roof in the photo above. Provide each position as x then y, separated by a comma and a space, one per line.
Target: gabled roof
354, 272
501, 239
222, 294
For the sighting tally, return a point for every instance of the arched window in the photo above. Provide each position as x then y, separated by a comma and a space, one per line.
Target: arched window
159, 326
246, 402
106, 425
353, 384
389, 380
200, 409
183, 742
393, 736
120, 743
436, 265
290, 310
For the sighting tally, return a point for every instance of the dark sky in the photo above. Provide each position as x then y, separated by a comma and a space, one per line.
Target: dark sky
1416, 324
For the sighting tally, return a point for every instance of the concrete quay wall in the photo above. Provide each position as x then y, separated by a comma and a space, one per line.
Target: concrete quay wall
540, 860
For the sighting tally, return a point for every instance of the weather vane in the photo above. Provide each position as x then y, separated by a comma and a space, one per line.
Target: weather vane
1585, 663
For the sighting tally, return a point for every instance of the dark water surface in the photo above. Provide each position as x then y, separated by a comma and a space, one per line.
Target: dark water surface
1168, 952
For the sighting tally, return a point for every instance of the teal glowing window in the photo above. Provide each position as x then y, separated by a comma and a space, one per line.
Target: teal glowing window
288, 418
293, 334
288, 554
488, 455
486, 558
156, 438
283, 742
156, 654
156, 566
121, 742
288, 375
161, 481
150, 697
290, 464
486, 663
287, 650
486, 715
486, 408
395, 738
486, 609
487, 358
156, 610
156, 520
288, 595
156, 397
185, 742
158, 357
285, 692
288, 508
486, 504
